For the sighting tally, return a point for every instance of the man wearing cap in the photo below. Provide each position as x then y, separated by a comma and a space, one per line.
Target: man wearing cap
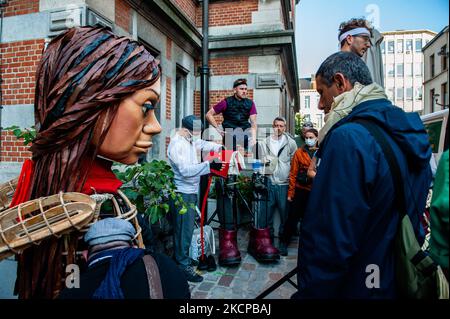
239, 125
117, 270
182, 154
354, 36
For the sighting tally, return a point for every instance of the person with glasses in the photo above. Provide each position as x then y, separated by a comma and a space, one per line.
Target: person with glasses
354, 36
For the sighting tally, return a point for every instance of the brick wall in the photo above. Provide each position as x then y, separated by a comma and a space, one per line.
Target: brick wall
18, 68
215, 96
229, 65
231, 12
13, 149
123, 15
19, 63
19, 7
189, 8
168, 98
169, 49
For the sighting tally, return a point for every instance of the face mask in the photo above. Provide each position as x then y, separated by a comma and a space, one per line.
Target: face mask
310, 141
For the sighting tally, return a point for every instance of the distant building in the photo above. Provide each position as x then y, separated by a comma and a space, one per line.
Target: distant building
309, 101
404, 67
435, 55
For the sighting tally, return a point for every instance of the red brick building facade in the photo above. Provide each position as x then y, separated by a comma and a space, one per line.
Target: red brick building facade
248, 38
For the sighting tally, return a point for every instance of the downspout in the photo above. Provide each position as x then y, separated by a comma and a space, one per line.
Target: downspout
204, 88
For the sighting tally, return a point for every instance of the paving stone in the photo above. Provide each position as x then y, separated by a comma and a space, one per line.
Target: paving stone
275, 276
206, 286
232, 270
225, 280
248, 266
244, 275
199, 295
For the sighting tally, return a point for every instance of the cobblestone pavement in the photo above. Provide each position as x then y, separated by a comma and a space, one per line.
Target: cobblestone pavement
250, 278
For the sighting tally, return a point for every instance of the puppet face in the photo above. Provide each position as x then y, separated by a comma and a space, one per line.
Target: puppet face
131, 131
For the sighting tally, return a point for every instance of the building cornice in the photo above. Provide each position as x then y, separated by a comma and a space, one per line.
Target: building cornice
443, 31
435, 77
168, 18
399, 32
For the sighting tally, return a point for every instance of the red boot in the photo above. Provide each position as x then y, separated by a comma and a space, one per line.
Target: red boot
229, 253
260, 246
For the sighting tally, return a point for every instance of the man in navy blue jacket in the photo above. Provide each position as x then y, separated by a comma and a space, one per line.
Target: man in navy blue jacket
347, 235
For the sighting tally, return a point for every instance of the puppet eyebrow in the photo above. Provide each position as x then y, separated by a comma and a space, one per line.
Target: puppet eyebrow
151, 90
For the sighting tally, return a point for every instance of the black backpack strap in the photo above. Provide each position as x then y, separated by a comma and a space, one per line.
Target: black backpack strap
379, 136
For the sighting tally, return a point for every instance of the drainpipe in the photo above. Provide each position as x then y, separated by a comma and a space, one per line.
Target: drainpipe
204, 90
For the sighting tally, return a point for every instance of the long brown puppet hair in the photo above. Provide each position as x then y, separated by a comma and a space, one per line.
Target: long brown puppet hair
83, 75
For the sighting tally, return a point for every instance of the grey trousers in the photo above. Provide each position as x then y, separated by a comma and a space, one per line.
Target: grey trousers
183, 227
278, 199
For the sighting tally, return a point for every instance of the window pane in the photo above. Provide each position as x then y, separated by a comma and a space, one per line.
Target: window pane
390, 94
383, 47
418, 45
418, 93
409, 45
307, 101
391, 47
409, 69
390, 70
399, 94
400, 70
399, 46
418, 69
409, 93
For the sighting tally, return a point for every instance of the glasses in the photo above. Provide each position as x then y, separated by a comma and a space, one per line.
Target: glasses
365, 39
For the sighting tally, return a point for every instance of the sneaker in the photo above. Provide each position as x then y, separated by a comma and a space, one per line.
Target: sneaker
282, 247
191, 274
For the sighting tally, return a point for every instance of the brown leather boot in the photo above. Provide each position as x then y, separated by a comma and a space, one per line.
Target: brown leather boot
229, 254
260, 246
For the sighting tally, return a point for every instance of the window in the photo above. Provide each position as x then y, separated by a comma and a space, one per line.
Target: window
400, 46
390, 94
319, 120
181, 95
307, 118
399, 95
418, 45
409, 69
400, 70
443, 58
391, 47
419, 93
444, 98
307, 102
432, 100
418, 69
408, 45
409, 93
383, 47
432, 66
390, 70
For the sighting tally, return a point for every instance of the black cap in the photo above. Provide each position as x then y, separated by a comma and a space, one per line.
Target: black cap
189, 121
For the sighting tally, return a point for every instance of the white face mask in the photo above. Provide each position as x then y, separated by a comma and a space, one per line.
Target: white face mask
310, 141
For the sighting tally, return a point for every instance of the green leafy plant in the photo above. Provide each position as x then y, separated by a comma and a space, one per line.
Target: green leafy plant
27, 134
150, 186
299, 120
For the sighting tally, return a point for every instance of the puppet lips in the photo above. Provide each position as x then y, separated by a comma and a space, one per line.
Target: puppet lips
144, 144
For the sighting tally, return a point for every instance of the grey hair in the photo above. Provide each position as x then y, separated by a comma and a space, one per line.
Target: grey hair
279, 118
349, 64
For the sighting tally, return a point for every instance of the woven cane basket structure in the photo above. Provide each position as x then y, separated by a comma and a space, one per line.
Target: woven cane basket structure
6, 193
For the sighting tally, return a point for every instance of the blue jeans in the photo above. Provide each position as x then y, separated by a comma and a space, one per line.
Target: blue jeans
183, 227
278, 199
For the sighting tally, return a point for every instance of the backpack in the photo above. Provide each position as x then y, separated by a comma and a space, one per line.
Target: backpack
415, 271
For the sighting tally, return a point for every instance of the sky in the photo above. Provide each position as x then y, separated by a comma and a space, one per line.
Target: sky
317, 23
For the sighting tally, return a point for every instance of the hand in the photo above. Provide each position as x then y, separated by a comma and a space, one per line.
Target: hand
220, 130
289, 199
216, 164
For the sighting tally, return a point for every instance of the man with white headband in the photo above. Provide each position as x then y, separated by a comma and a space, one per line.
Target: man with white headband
354, 36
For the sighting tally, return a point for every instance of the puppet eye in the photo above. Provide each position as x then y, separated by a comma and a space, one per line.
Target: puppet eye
146, 107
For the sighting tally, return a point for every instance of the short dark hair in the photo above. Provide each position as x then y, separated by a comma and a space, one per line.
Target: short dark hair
353, 24
347, 63
239, 82
312, 130
279, 118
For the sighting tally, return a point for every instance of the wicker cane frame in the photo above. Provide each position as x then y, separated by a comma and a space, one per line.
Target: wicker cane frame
7, 190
